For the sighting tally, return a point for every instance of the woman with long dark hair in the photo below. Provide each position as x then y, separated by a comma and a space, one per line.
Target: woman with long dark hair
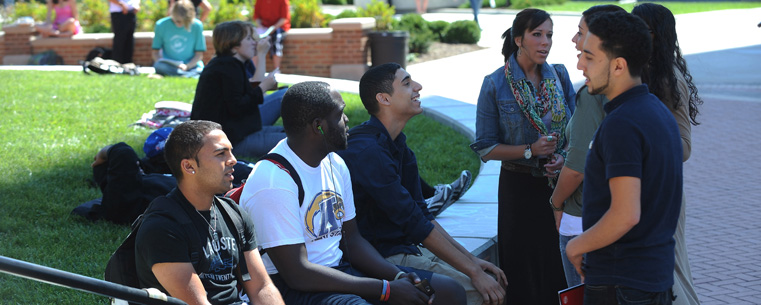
667, 77
523, 107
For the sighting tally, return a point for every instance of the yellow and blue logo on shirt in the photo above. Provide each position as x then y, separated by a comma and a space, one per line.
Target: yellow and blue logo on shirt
324, 215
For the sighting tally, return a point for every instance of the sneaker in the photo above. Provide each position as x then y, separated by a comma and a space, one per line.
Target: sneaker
441, 197
461, 185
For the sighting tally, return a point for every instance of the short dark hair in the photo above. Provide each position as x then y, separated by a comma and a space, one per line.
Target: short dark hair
379, 79
602, 8
304, 102
184, 143
527, 19
229, 34
623, 35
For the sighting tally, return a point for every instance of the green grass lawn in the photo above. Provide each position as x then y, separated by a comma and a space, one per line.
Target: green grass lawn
676, 7
52, 125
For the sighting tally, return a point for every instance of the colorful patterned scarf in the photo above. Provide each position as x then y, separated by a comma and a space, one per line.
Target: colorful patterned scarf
536, 107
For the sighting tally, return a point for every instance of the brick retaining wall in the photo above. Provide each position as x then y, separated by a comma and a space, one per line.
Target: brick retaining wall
340, 51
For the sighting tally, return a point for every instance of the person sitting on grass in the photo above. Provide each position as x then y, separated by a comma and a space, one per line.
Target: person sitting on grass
178, 42
227, 95
200, 157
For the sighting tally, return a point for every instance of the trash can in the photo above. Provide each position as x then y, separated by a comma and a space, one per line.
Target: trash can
389, 46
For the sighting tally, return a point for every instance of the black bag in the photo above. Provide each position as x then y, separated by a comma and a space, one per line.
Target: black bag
121, 266
101, 52
108, 66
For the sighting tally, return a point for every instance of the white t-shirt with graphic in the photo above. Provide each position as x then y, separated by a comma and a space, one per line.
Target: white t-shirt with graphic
270, 196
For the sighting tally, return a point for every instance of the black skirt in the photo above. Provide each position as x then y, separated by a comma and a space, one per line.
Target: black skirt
528, 242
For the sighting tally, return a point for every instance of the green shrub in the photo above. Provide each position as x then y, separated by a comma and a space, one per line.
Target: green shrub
521, 4
420, 42
94, 16
228, 11
334, 2
149, 13
30, 8
463, 31
306, 14
326, 19
347, 14
381, 11
421, 36
438, 28
413, 23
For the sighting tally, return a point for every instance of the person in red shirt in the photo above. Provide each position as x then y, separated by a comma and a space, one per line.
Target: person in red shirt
273, 20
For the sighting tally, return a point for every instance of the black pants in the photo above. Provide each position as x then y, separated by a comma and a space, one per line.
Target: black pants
126, 190
123, 26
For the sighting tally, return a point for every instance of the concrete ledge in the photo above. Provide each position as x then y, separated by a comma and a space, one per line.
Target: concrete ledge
98, 38
348, 71
362, 23
16, 59
472, 220
310, 34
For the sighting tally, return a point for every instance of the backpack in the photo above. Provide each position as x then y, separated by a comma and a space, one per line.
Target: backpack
283, 164
48, 57
121, 267
166, 114
104, 53
108, 66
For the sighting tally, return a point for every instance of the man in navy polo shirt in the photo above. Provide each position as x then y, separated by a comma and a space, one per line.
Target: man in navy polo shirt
633, 182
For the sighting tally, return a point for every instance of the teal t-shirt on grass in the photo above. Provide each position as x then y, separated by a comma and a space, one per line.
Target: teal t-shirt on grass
177, 43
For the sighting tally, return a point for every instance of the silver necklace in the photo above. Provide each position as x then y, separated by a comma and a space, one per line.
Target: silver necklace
211, 215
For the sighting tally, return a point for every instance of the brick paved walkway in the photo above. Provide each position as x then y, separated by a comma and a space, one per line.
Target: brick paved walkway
722, 187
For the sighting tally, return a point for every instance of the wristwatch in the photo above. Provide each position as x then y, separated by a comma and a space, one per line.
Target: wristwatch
527, 153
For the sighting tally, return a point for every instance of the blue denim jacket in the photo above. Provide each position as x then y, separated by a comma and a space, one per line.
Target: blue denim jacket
499, 119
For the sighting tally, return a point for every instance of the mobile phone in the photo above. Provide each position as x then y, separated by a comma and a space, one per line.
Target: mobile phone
425, 287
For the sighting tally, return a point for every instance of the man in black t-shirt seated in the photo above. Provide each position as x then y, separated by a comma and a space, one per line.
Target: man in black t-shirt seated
200, 158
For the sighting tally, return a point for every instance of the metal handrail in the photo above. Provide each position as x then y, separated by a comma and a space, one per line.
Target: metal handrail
80, 282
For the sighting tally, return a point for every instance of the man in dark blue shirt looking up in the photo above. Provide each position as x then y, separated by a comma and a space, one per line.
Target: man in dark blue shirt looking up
391, 211
633, 182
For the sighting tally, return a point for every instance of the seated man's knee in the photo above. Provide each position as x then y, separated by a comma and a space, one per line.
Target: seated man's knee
447, 291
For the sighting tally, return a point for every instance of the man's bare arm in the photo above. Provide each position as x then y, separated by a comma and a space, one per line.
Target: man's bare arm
260, 289
181, 281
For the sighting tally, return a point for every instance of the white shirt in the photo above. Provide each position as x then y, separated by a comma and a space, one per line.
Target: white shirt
270, 196
131, 5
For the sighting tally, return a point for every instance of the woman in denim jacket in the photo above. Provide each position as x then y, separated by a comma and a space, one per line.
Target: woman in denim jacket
523, 108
